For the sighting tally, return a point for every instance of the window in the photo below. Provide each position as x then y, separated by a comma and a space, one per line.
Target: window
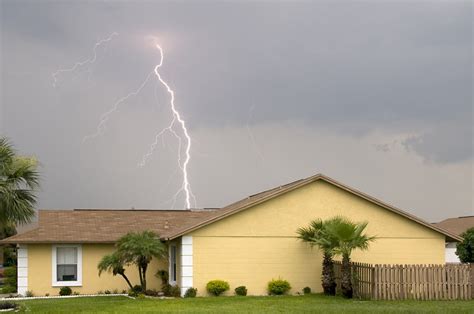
67, 265
173, 264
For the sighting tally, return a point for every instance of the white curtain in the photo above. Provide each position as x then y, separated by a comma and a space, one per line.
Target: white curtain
66, 261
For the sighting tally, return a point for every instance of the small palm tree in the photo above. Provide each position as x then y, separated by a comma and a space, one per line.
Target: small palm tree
113, 264
139, 249
19, 182
349, 236
316, 235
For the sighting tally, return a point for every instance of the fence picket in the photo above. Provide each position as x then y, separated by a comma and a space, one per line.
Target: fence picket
402, 282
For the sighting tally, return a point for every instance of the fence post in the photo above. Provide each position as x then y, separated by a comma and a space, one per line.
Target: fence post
471, 279
374, 286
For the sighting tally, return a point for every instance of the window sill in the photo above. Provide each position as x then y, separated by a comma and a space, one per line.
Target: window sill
67, 284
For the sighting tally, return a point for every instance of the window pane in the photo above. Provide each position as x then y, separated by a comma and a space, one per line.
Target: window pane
173, 263
67, 272
66, 255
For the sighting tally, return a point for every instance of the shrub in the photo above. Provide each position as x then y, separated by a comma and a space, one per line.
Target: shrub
278, 287
465, 249
29, 294
75, 293
65, 291
137, 289
46, 295
115, 291
171, 290
216, 287
107, 292
10, 280
190, 293
241, 290
306, 290
9, 257
8, 305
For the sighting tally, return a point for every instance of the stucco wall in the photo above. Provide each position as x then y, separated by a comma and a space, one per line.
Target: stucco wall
39, 271
254, 246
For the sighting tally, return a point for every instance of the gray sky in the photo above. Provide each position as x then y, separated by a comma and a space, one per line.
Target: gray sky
375, 94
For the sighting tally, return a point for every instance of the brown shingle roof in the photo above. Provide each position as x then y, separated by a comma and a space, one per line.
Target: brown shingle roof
456, 225
104, 226
107, 226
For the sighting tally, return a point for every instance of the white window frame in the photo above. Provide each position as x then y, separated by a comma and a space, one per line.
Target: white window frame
55, 282
171, 269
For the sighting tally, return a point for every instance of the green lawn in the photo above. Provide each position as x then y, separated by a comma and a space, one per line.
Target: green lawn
285, 304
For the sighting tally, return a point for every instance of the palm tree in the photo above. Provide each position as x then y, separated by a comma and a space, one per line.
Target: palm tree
315, 234
19, 181
113, 264
349, 236
139, 249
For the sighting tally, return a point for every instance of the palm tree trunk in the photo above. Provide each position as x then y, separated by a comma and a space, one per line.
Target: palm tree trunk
126, 279
328, 282
346, 284
144, 267
140, 275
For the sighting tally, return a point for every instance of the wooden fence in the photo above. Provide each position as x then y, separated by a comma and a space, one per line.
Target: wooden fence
402, 282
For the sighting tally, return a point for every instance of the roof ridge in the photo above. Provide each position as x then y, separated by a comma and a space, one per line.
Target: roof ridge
289, 187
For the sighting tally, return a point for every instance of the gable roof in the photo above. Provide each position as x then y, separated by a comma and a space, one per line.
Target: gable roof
275, 192
456, 225
107, 226
103, 226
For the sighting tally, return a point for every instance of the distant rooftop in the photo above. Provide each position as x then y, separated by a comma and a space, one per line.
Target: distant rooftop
456, 225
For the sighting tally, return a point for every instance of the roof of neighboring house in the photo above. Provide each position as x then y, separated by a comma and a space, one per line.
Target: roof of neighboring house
107, 226
104, 226
456, 225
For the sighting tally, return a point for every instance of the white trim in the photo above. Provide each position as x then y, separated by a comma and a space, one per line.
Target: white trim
186, 263
22, 269
67, 297
78, 282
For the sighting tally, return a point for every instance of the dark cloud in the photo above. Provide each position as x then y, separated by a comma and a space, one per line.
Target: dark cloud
445, 144
346, 69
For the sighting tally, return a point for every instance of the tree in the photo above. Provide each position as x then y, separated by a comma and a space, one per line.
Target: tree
349, 236
19, 181
113, 264
139, 249
316, 235
465, 249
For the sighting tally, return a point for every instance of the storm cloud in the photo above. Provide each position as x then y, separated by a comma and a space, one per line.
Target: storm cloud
377, 94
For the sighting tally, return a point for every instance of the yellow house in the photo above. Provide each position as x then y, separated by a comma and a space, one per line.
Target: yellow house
246, 243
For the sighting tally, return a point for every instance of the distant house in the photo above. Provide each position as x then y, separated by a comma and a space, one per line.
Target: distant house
456, 225
246, 243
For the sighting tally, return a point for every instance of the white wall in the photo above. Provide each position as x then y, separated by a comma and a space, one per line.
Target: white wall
450, 253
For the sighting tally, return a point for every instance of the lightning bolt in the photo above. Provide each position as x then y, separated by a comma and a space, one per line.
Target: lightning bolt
177, 120
177, 124
82, 63
106, 116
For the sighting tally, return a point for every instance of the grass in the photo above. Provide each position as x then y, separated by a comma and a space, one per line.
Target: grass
314, 303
